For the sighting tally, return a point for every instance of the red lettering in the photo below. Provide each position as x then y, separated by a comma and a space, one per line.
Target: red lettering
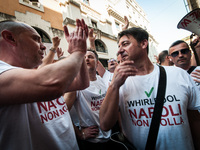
195, 14
44, 118
146, 123
169, 122
142, 113
92, 103
60, 101
64, 108
181, 119
134, 122
139, 122
176, 122
163, 122
185, 23
42, 105
179, 107
98, 104
61, 112
172, 112
56, 113
50, 115
166, 112
133, 113
51, 104
150, 110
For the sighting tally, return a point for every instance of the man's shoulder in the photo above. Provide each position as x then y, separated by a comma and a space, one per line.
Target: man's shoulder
174, 69
5, 66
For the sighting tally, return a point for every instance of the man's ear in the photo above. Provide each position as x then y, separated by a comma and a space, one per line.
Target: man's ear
144, 43
170, 58
8, 36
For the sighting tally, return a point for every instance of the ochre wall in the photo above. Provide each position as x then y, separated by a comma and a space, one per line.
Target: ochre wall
10, 6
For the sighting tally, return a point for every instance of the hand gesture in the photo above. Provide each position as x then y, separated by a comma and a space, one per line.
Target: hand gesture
59, 52
122, 72
56, 42
92, 38
77, 39
125, 26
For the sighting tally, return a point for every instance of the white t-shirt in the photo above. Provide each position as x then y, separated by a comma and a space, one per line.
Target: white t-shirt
88, 104
107, 78
36, 126
137, 98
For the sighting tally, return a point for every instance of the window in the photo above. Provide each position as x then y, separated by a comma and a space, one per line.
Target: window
35, 4
94, 24
44, 36
100, 46
117, 26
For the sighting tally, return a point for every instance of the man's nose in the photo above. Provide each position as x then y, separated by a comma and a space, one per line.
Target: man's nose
180, 54
120, 51
42, 47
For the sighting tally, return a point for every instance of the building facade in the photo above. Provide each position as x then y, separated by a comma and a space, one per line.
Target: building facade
106, 17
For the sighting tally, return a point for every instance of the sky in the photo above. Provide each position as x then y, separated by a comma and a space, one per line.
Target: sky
164, 16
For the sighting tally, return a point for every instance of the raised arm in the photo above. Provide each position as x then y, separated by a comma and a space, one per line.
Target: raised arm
100, 68
125, 26
92, 38
48, 59
49, 82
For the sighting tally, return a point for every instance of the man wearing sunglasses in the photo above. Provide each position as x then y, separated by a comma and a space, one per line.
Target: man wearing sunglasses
180, 54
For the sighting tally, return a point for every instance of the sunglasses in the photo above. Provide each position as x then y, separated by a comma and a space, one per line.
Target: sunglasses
183, 51
111, 60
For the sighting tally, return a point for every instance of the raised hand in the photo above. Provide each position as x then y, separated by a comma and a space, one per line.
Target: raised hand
125, 26
77, 39
92, 38
59, 52
56, 42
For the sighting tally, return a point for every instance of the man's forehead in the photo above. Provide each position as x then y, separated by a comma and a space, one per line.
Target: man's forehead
125, 38
178, 47
89, 53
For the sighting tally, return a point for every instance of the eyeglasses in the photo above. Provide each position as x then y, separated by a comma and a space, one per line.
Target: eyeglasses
183, 51
111, 60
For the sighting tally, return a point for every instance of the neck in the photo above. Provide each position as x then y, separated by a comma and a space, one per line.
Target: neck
165, 63
185, 67
144, 67
92, 75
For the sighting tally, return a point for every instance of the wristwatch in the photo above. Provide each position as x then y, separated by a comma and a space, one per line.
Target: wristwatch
53, 50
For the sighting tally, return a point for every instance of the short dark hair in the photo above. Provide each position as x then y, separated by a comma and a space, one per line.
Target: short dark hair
138, 33
162, 56
13, 26
178, 42
95, 53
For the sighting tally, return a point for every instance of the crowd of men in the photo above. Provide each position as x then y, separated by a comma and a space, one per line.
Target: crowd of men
37, 94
